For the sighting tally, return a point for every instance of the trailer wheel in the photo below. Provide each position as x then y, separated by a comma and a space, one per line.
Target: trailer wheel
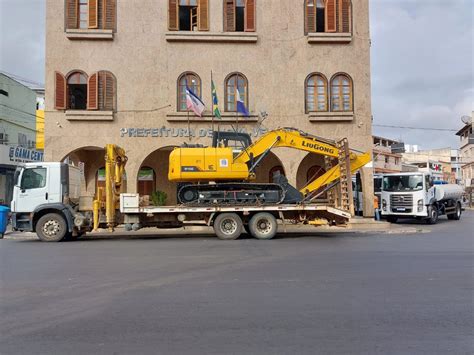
432, 215
263, 226
228, 226
51, 228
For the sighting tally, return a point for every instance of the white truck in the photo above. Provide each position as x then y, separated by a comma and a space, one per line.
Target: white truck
47, 200
414, 195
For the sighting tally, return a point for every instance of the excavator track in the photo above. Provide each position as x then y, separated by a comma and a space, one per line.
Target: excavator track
231, 194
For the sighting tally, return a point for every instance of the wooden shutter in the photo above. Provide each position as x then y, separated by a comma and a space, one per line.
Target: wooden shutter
59, 91
106, 91
173, 21
72, 8
345, 16
93, 92
109, 14
93, 14
250, 16
229, 16
203, 15
310, 20
330, 14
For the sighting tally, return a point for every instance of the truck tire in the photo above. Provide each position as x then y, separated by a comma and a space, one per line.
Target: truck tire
263, 226
432, 215
456, 216
228, 226
392, 219
51, 228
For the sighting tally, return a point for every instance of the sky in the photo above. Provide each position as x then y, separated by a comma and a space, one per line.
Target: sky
422, 63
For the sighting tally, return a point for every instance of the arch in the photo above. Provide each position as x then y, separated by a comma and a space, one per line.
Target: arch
310, 168
100, 182
341, 93
271, 163
235, 81
316, 93
158, 160
191, 80
76, 81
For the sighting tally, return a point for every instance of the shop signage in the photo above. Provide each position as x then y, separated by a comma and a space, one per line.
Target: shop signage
165, 132
13, 154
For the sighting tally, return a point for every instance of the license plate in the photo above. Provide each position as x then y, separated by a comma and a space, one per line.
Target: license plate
401, 209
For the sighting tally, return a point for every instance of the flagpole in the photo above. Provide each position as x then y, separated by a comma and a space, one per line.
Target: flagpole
212, 101
189, 127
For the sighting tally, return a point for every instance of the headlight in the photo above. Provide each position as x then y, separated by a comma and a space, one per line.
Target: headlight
420, 205
384, 205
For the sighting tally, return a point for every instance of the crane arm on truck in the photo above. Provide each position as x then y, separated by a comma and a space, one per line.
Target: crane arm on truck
296, 139
115, 161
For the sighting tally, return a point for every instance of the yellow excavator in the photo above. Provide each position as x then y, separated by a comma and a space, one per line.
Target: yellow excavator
224, 172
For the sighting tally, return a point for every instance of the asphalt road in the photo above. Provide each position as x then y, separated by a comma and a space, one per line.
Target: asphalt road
299, 294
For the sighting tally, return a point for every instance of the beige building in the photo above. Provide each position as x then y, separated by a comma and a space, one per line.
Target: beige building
438, 162
117, 71
467, 153
385, 159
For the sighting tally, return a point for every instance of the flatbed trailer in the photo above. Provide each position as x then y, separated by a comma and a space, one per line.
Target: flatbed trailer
261, 221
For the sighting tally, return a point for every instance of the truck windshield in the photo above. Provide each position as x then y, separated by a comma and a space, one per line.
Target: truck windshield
403, 183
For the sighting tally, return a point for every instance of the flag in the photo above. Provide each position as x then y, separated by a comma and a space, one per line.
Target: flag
215, 102
240, 104
194, 103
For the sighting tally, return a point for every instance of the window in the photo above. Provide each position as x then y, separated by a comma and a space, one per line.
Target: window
328, 16
33, 178
316, 93
77, 91
273, 171
90, 14
239, 15
193, 82
146, 181
341, 93
387, 159
102, 91
188, 15
22, 140
236, 81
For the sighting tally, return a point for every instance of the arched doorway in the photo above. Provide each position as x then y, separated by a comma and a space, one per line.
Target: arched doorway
153, 175
269, 165
310, 168
146, 182
100, 182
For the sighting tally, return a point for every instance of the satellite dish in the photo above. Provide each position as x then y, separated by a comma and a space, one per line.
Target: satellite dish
466, 119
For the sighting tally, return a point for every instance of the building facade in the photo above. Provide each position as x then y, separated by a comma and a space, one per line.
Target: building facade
467, 153
17, 132
438, 162
117, 72
386, 159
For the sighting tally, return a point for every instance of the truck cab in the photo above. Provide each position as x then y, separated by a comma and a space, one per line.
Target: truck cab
46, 200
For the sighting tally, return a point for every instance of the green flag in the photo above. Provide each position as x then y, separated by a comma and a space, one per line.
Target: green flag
215, 102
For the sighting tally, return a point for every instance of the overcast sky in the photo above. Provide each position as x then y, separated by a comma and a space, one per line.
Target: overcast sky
422, 62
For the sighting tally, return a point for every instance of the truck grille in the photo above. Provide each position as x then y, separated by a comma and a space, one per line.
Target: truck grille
398, 202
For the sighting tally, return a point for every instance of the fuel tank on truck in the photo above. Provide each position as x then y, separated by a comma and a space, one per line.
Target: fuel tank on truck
448, 192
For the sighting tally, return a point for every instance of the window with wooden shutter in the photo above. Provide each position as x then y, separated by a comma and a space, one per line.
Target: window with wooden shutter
310, 18
72, 7
316, 93
93, 92
109, 14
59, 91
203, 18
330, 16
250, 12
106, 89
173, 22
345, 16
234, 82
193, 82
93, 14
229, 15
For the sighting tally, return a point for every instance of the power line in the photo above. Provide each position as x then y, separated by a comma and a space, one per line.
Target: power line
417, 128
